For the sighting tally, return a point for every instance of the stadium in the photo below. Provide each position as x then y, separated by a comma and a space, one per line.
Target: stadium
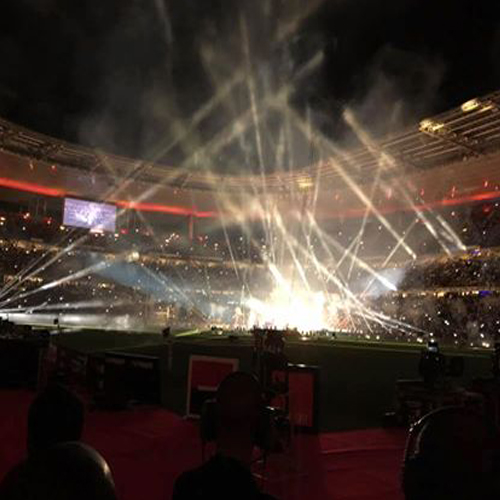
295, 283
154, 247
407, 256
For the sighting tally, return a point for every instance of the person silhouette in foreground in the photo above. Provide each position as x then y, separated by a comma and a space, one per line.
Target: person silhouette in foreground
451, 453
55, 416
67, 471
227, 474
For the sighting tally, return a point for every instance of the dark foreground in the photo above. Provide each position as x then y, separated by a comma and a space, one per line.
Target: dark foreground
148, 448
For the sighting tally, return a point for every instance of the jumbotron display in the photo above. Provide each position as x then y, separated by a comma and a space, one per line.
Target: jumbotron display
88, 214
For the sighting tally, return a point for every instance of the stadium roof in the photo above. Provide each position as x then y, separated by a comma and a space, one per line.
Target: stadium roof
467, 132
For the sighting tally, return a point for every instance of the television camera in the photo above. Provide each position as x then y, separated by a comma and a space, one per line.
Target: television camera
434, 367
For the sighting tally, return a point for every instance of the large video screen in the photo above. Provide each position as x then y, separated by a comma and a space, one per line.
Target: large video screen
88, 214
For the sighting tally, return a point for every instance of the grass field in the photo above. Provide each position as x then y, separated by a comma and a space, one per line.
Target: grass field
357, 379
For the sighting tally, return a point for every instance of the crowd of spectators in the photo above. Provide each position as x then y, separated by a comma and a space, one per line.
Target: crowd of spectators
172, 241
34, 277
38, 276
480, 270
464, 318
474, 225
11, 330
162, 275
455, 299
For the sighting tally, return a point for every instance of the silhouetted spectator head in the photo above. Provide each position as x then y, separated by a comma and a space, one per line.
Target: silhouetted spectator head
451, 454
55, 416
67, 471
239, 402
222, 478
227, 474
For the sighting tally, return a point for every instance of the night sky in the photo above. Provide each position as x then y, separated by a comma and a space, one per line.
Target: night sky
128, 75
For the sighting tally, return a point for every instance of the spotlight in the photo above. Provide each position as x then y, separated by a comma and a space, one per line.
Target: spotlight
133, 256
431, 126
471, 105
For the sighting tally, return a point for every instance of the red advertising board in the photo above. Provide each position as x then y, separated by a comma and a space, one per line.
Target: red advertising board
303, 397
204, 376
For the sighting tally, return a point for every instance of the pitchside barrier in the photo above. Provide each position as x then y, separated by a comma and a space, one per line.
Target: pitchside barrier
71, 366
20, 362
48, 365
113, 378
205, 373
414, 399
75, 369
131, 378
96, 367
489, 389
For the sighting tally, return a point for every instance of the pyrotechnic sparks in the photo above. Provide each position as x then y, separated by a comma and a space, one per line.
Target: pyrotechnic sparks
281, 251
294, 309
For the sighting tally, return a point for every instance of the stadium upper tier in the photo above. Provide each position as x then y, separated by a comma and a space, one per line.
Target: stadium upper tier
467, 133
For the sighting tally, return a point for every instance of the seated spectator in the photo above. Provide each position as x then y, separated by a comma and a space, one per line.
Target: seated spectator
450, 454
55, 416
67, 471
227, 474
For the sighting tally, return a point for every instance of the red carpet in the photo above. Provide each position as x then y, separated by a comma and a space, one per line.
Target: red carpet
148, 448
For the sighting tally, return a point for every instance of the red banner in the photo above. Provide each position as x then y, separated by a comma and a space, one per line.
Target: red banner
204, 376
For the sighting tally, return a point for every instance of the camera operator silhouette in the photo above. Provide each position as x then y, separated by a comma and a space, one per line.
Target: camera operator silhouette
227, 474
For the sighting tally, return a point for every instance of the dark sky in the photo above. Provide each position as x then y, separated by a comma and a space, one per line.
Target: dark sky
128, 75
